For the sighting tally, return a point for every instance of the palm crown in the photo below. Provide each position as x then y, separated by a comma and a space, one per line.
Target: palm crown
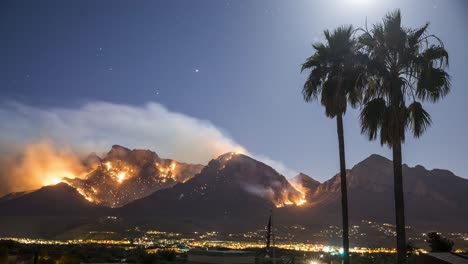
333, 73
402, 66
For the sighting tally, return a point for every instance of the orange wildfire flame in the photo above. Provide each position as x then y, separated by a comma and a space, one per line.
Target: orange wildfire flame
166, 172
120, 172
298, 201
55, 170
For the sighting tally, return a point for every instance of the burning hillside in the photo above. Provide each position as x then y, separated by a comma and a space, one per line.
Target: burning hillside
124, 175
258, 179
233, 187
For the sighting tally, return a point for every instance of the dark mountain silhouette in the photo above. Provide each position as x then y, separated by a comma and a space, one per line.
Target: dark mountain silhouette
13, 195
433, 198
236, 192
57, 199
47, 212
232, 191
125, 175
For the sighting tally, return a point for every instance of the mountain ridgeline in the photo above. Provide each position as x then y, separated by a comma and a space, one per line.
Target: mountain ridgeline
125, 175
231, 193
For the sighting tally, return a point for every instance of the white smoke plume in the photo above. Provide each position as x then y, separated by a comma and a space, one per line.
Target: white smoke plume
260, 191
64, 135
97, 126
39, 164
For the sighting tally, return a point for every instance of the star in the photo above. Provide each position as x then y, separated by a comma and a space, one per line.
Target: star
196, 70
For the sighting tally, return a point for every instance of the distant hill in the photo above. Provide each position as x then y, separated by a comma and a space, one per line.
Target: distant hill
47, 212
434, 198
233, 191
57, 199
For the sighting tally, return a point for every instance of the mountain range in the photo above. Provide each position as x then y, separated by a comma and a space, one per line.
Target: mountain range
232, 193
125, 175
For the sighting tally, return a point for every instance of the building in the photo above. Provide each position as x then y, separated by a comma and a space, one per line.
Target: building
443, 258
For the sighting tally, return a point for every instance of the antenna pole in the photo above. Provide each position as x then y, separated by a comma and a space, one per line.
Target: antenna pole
268, 237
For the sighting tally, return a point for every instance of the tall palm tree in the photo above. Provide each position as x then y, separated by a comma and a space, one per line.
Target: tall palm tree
332, 78
404, 68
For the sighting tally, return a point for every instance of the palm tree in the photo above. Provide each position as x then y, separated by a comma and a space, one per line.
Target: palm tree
332, 77
404, 68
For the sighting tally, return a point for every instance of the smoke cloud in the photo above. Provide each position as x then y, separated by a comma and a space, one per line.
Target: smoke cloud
264, 192
36, 143
38, 165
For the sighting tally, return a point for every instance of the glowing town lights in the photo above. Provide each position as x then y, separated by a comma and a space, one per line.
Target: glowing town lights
121, 177
173, 165
327, 249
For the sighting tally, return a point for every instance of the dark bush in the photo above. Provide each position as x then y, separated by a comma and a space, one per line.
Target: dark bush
437, 243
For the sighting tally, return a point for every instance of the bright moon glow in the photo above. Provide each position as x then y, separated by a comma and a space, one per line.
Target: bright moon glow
358, 3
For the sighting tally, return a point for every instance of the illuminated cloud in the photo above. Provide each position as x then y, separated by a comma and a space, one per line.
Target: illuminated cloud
56, 134
97, 126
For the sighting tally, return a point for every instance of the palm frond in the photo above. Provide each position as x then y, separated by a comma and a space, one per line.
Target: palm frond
313, 85
433, 84
436, 54
419, 119
372, 117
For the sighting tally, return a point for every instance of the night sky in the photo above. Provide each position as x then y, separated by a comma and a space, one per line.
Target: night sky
235, 64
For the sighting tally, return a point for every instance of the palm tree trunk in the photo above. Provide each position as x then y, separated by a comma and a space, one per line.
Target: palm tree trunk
399, 203
344, 188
